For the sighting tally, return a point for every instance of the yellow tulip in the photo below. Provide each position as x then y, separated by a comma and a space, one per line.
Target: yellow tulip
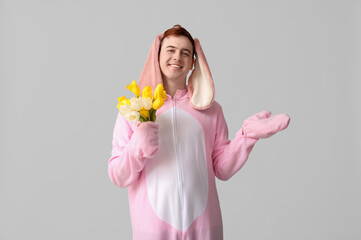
134, 88
158, 103
144, 113
123, 101
159, 92
147, 92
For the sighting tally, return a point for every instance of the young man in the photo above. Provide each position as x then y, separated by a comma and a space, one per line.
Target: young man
170, 166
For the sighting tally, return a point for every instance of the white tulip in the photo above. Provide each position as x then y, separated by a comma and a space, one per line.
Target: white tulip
147, 103
133, 116
136, 103
125, 109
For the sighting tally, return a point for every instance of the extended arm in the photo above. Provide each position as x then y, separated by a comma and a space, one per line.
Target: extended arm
230, 156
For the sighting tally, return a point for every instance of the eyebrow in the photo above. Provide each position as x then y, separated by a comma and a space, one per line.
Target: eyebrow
185, 49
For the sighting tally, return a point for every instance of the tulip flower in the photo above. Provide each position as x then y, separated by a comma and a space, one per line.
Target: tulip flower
133, 116
159, 92
158, 103
147, 103
125, 109
147, 92
136, 103
134, 88
123, 101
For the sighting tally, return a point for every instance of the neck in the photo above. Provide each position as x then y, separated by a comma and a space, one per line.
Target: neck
171, 86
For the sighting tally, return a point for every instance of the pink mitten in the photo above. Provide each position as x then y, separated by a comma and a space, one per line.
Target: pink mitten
262, 125
147, 139
259, 116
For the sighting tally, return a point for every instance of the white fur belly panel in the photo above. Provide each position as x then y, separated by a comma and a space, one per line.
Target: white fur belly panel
177, 179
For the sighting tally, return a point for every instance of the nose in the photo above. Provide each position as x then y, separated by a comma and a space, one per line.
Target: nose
177, 56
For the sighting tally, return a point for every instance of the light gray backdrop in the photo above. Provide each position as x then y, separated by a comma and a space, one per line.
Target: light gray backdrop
64, 63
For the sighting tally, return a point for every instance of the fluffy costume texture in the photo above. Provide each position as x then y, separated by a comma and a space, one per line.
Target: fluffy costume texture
200, 83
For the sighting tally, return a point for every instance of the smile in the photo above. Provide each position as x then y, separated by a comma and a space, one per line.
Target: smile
175, 66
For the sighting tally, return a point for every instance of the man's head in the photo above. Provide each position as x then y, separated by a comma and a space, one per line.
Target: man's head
176, 55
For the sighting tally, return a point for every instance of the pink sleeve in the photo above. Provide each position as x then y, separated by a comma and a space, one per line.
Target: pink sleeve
229, 156
128, 158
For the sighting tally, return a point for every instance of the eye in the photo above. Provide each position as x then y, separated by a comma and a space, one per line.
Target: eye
170, 50
186, 54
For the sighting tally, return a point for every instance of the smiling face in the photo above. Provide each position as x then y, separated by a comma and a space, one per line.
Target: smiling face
176, 59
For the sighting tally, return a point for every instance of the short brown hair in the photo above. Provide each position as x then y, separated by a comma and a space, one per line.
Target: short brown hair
177, 30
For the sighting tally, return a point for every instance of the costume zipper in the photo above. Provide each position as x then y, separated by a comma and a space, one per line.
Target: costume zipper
179, 162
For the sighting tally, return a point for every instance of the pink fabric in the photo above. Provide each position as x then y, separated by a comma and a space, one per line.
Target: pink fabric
151, 74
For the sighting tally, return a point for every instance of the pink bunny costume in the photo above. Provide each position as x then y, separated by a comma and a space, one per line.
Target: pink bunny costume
171, 179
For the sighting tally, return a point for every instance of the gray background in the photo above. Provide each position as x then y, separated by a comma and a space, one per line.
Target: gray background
64, 63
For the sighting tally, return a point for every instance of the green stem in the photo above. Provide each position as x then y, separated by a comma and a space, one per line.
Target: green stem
152, 115
142, 119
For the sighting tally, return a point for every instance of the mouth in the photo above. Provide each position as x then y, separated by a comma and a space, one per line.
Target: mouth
175, 66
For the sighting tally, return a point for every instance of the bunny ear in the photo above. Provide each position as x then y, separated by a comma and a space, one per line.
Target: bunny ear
151, 74
200, 83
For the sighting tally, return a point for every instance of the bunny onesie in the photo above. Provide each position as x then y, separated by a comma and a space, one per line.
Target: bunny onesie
169, 167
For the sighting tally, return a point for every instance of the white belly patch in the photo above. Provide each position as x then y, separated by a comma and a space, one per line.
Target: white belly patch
177, 179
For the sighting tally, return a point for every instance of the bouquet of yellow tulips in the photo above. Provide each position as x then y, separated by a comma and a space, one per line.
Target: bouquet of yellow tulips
142, 108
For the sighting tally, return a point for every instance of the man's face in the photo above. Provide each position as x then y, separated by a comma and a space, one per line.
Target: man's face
176, 58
